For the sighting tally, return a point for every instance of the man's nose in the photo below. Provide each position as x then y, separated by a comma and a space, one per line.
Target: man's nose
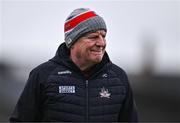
101, 41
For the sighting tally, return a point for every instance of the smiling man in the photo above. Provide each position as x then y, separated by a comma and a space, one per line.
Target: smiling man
80, 84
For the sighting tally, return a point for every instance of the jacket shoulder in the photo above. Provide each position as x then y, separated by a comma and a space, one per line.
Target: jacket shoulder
43, 70
117, 68
45, 66
119, 72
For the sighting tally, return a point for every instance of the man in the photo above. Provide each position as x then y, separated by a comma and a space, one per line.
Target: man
80, 83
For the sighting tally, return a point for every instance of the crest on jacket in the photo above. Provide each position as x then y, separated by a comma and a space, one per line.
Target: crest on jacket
104, 93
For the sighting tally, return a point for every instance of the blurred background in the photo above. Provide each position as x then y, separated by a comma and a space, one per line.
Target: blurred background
143, 38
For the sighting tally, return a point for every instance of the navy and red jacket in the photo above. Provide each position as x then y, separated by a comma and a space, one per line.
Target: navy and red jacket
57, 90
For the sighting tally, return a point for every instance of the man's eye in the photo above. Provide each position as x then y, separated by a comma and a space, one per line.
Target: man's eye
103, 36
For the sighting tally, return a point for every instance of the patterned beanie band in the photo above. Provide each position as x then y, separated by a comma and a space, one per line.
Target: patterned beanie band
81, 21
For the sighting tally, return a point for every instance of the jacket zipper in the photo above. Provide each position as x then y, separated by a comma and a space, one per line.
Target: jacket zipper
87, 102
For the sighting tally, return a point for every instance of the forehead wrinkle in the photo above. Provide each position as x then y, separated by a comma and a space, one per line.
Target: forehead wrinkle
100, 32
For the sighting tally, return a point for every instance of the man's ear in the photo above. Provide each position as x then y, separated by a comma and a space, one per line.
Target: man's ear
72, 47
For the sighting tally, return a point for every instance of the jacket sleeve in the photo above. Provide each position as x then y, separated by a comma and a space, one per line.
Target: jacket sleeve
27, 107
129, 110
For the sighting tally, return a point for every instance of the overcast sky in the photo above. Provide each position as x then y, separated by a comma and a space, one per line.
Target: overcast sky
31, 31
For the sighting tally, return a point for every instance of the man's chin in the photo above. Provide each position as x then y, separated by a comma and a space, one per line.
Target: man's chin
97, 60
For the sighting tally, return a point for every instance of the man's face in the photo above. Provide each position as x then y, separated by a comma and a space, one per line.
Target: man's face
90, 48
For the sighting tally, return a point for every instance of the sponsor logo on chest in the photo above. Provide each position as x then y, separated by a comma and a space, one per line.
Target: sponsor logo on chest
66, 89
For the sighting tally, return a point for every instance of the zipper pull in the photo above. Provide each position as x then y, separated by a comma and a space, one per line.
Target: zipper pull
86, 83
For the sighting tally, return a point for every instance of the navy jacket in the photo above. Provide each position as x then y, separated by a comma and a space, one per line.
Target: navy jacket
58, 91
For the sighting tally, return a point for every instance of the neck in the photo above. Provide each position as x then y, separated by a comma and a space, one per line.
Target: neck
82, 65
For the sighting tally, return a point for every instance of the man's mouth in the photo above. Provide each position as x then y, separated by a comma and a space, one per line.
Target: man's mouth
97, 52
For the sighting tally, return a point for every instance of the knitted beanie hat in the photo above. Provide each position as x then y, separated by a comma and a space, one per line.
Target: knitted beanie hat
81, 21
